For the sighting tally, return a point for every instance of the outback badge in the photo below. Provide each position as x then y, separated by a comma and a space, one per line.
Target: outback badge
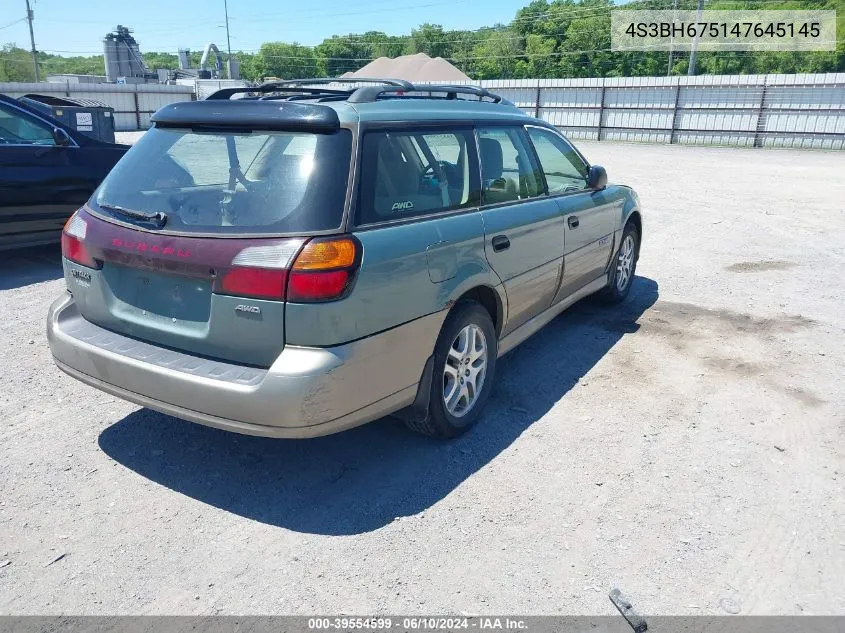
81, 276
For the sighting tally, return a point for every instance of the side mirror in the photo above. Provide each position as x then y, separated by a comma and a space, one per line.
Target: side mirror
61, 138
597, 178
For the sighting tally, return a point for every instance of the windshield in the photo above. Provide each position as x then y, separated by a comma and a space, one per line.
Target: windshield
230, 182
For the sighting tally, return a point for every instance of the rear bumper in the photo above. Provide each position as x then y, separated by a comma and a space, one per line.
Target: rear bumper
307, 391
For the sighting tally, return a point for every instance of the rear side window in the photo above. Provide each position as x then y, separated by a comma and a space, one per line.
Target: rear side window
508, 169
232, 183
411, 173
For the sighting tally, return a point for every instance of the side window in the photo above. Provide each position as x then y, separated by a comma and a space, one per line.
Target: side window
563, 167
410, 173
18, 129
508, 168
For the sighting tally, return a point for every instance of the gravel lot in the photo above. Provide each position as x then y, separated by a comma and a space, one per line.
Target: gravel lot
686, 448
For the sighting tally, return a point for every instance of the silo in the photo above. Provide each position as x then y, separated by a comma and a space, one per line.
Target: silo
110, 58
122, 56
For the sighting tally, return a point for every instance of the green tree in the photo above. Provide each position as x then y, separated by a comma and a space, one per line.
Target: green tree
16, 64
286, 61
496, 56
431, 40
341, 54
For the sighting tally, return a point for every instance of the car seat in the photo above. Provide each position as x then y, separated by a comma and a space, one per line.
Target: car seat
497, 188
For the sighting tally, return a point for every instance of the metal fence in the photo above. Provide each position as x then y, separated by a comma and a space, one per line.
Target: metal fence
804, 111
133, 103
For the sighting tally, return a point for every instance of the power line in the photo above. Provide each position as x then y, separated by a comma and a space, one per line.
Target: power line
653, 48
18, 21
465, 35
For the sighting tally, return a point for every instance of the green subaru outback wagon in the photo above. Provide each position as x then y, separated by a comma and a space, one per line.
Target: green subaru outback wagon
304, 257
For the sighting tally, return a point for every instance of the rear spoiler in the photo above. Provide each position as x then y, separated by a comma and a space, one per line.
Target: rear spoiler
248, 114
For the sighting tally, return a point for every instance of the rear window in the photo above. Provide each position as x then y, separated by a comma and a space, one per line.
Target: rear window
411, 173
225, 182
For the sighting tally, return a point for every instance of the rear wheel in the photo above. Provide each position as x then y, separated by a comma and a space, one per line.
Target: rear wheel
624, 266
464, 364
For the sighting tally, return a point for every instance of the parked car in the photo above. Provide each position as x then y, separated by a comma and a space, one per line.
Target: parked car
303, 263
47, 171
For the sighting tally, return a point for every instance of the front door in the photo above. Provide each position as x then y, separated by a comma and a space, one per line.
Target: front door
589, 219
524, 231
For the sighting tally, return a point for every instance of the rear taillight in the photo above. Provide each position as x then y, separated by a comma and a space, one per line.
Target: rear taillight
322, 286
260, 272
73, 245
323, 270
258, 283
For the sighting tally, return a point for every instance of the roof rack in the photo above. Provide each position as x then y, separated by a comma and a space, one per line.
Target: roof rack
368, 94
302, 86
295, 89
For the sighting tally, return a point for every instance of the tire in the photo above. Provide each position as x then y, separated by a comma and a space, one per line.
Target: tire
442, 421
620, 279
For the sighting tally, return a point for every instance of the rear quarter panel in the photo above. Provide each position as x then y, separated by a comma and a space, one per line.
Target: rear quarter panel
407, 271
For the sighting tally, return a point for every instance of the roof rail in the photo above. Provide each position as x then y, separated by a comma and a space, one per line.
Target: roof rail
301, 86
368, 94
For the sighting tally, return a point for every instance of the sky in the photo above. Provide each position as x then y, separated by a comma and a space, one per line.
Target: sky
77, 27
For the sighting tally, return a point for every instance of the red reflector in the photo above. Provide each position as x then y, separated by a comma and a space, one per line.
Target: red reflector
260, 283
317, 286
74, 250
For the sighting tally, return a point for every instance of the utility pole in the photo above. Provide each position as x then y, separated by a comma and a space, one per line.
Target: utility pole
672, 40
693, 54
32, 41
228, 41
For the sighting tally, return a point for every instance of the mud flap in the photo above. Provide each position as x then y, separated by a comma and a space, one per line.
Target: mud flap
418, 410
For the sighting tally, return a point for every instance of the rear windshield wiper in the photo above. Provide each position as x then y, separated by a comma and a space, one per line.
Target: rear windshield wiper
157, 217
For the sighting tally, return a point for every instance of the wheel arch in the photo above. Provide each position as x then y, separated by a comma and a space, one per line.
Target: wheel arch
637, 219
490, 299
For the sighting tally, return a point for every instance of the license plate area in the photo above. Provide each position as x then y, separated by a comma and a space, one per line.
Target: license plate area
160, 296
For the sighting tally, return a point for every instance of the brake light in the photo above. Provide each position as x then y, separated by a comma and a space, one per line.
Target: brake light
260, 272
323, 286
323, 270
257, 283
73, 247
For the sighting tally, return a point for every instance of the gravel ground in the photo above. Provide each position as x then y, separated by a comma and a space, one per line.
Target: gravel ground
685, 447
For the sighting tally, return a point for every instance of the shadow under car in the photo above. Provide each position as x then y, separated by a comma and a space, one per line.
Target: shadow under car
362, 479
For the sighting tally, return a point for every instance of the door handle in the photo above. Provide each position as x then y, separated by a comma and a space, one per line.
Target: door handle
501, 243
572, 221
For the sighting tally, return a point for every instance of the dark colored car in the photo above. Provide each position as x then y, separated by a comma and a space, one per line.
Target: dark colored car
47, 171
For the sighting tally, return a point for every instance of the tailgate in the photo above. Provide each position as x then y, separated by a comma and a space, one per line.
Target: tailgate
161, 289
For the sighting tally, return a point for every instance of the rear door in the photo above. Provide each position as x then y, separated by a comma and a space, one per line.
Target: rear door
523, 227
589, 219
41, 183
